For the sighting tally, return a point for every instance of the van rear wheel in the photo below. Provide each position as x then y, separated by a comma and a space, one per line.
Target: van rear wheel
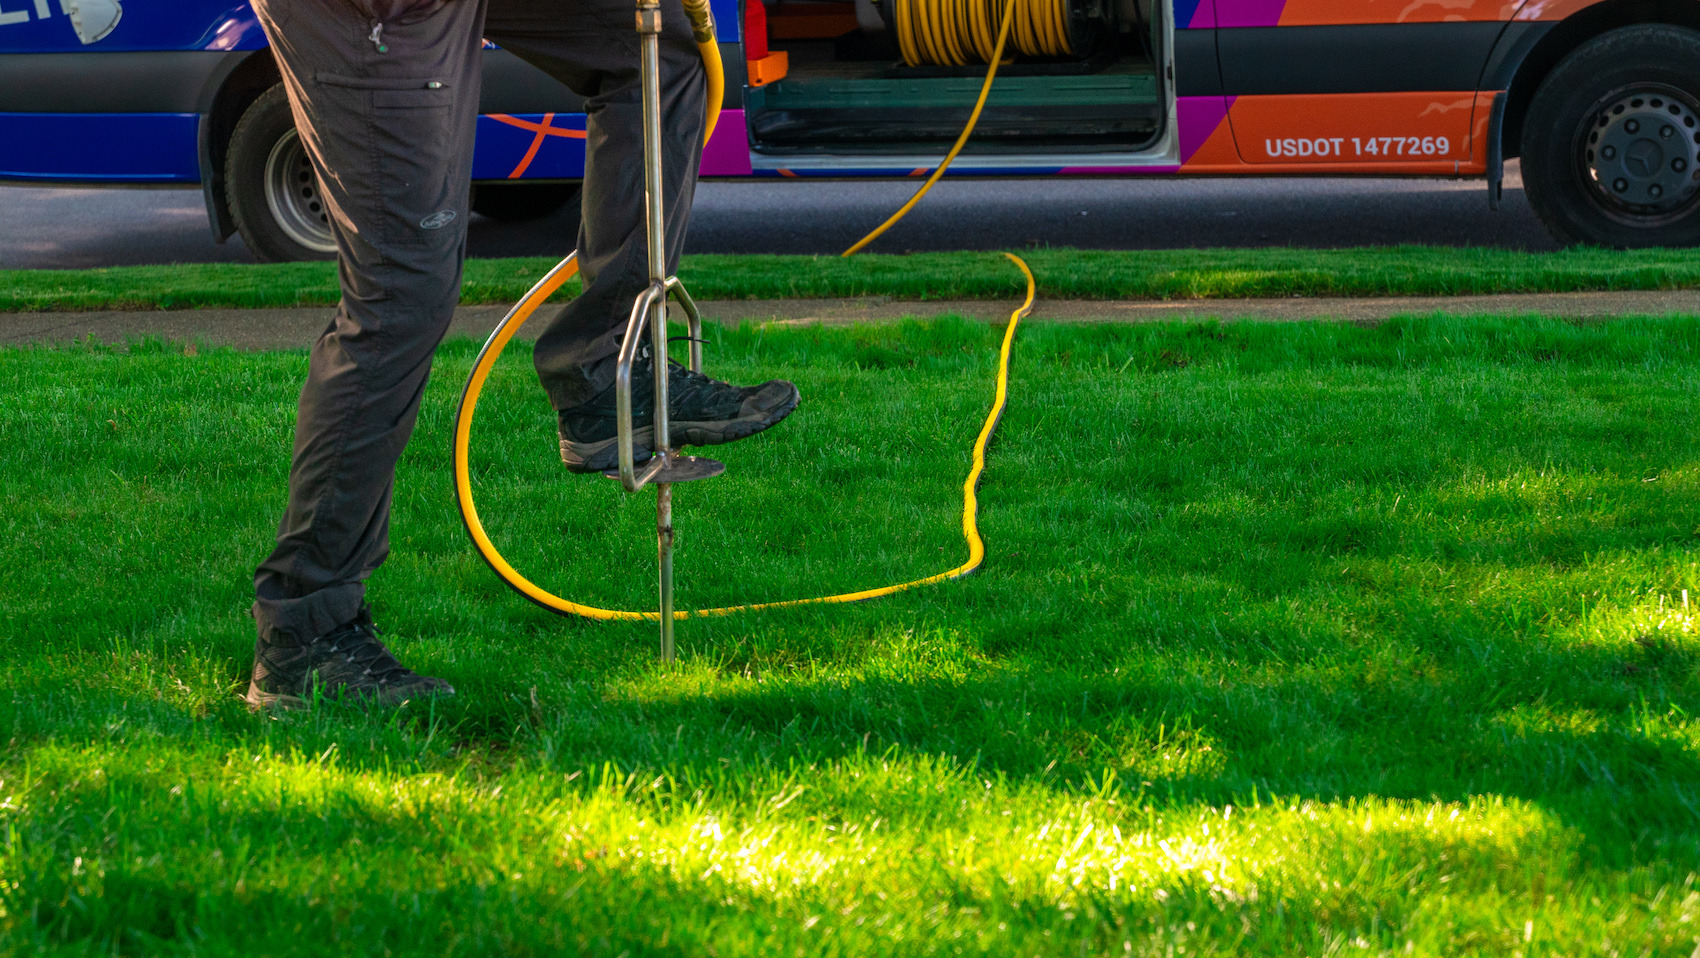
273, 193
1611, 145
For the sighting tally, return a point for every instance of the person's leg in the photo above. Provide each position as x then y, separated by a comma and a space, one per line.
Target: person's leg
386, 111
592, 46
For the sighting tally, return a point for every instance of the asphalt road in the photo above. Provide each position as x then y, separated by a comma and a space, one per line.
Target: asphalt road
44, 228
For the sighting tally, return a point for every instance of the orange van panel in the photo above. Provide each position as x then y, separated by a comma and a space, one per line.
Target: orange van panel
1315, 13
1552, 9
1427, 133
1306, 13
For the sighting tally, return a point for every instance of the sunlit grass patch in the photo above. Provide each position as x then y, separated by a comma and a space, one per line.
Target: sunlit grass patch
866, 853
1291, 641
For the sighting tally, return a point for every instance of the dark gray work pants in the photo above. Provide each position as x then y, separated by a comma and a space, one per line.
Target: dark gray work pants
390, 134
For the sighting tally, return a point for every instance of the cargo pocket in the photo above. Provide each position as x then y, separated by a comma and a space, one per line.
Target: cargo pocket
419, 148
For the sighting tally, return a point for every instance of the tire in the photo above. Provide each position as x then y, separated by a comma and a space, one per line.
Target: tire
273, 194
522, 202
1611, 144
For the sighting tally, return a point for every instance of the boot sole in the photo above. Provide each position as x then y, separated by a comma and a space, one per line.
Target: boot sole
258, 699
588, 457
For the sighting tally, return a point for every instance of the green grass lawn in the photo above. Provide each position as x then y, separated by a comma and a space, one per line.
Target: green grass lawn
1062, 274
1292, 640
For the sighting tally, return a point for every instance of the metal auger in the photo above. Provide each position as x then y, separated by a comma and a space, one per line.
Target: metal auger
667, 466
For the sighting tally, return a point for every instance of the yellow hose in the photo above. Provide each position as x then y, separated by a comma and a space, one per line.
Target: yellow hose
702, 30
702, 23
943, 31
967, 131
527, 306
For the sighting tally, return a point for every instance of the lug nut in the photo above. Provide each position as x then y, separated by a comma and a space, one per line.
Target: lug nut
1655, 191
1610, 152
1633, 126
1621, 185
1679, 164
1667, 131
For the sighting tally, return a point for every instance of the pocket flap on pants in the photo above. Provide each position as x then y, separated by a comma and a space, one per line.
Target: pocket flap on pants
396, 93
420, 98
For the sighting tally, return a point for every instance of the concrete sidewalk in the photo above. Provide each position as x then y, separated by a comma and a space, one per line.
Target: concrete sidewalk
292, 328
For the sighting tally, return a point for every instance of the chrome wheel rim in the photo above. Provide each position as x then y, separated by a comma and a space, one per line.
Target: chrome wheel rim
292, 194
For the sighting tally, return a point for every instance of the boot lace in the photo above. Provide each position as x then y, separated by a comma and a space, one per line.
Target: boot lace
360, 644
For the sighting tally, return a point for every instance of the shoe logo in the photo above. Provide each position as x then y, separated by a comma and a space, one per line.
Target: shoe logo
438, 220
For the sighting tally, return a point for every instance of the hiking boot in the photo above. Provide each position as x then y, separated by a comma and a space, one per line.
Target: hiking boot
701, 412
348, 661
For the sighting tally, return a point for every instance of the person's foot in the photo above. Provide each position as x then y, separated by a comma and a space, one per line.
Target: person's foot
701, 412
349, 661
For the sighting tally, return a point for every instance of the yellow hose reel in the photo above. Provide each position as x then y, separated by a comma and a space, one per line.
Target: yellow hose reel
961, 32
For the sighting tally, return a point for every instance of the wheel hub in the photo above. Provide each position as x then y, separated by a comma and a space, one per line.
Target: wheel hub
1642, 152
292, 193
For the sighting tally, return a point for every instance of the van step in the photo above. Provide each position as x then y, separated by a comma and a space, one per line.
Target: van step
881, 113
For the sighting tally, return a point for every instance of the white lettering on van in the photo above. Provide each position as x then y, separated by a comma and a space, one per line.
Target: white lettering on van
1322, 147
1380, 147
93, 20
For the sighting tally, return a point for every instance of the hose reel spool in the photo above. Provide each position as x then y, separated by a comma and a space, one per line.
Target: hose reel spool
964, 32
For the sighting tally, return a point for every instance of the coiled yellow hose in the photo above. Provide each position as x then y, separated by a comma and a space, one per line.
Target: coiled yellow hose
960, 32
516, 318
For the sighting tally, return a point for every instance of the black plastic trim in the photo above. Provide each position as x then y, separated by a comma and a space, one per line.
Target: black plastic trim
1511, 50
1496, 151
1196, 70
169, 81
512, 85
737, 75
211, 153
1369, 58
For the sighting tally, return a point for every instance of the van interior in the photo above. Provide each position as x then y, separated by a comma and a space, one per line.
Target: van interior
901, 76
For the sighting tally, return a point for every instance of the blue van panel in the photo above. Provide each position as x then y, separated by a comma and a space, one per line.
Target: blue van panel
173, 25
531, 146
160, 143
121, 147
727, 28
181, 25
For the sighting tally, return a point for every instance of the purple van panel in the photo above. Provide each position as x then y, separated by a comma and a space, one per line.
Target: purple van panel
1197, 117
1195, 14
728, 152
1249, 13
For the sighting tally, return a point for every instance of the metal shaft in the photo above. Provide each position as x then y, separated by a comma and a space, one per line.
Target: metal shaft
664, 550
649, 30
